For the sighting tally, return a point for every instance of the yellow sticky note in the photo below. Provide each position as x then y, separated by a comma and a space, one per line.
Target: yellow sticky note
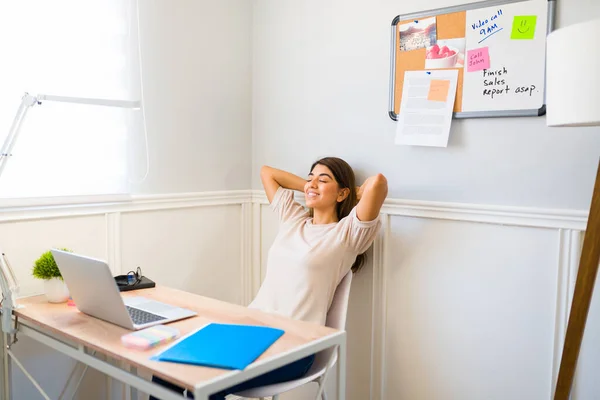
438, 90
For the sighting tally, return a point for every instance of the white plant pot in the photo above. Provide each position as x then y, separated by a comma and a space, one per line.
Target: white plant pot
56, 290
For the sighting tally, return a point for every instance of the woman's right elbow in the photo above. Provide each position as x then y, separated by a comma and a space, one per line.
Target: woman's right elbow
265, 170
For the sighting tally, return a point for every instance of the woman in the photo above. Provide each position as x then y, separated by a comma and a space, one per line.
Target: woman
314, 248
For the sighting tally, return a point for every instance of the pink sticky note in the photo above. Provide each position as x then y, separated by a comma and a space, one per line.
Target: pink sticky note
478, 59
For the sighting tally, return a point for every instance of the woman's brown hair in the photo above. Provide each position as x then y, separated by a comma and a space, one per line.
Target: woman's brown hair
344, 176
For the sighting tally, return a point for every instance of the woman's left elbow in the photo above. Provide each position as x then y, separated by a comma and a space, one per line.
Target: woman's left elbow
380, 182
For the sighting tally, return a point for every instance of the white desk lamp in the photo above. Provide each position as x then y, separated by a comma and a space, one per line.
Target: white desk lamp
573, 99
8, 281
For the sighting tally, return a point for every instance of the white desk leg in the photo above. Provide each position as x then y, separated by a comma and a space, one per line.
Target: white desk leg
133, 394
124, 385
341, 370
6, 378
109, 388
200, 394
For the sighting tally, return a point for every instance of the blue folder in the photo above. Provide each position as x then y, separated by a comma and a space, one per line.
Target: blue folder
226, 346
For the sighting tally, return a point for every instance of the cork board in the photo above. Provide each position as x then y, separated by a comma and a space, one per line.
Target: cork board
448, 26
479, 41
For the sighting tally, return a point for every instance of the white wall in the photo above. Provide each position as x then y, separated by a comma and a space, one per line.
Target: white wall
320, 87
196, 65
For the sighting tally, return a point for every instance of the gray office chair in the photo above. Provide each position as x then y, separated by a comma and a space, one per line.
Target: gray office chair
336, 318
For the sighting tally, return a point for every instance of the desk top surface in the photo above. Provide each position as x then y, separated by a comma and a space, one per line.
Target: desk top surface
104, 337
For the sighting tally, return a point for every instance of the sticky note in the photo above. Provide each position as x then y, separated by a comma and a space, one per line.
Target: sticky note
478, 59
523, 27
438, 90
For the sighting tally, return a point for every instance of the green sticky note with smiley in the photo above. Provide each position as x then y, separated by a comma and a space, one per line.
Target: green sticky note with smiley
523, 27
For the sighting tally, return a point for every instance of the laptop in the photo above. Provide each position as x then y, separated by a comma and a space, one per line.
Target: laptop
95, 292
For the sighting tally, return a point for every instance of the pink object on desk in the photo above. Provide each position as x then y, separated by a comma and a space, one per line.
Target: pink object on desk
149, 337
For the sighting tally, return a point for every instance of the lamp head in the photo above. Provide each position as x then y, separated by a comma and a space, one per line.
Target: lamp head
572, 75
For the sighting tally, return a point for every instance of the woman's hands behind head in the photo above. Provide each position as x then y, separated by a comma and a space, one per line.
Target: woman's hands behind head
359, 192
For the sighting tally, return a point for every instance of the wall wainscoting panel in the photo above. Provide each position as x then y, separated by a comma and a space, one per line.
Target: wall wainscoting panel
246, 230
469, 300
24, 241
113, 242
255, 265
379, 310
450, 290
569, 251
194, 249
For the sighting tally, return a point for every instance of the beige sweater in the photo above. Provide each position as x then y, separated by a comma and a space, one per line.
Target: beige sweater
306, 262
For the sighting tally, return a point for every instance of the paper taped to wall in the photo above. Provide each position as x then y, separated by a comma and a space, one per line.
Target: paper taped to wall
426, 109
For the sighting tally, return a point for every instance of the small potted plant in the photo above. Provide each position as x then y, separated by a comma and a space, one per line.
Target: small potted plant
45, 268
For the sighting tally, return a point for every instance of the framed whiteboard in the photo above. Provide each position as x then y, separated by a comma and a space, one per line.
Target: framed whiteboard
498, 47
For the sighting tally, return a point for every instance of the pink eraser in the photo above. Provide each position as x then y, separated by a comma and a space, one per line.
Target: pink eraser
149, 337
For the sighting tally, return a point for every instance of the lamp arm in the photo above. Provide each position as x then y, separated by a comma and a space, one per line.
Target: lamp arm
27, 101
96, 102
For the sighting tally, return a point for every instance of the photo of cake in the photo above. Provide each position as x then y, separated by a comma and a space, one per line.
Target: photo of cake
446, 53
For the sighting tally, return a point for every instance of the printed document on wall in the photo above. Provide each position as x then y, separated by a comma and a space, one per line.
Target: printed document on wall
426, 107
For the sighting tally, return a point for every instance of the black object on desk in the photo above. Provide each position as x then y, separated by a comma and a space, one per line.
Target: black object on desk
133, 281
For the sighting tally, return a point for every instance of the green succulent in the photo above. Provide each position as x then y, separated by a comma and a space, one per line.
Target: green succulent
45, 267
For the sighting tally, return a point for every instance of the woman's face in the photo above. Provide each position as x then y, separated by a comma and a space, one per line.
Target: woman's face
321, 189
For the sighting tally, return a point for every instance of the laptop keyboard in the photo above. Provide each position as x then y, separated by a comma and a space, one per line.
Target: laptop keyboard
140, 317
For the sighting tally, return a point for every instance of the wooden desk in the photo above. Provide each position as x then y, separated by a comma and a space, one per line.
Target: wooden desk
49, 323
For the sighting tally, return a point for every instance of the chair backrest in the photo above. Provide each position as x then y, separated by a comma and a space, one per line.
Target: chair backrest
336, 315
336, 318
